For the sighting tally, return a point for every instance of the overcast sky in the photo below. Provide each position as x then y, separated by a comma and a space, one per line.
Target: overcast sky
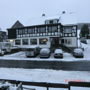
23, 10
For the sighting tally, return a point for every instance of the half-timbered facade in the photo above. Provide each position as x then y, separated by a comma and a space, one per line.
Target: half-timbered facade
50, 34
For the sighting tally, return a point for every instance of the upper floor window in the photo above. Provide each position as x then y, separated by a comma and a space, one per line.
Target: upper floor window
20, 32
54, 29
31, 30
49, 28
25, 31
42, 29
67, 29
53, 21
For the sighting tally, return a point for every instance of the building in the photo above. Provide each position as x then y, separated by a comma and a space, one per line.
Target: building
51, 33
3, 36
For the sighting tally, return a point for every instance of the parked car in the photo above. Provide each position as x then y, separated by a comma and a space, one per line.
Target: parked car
1, 52
45, 53
78, 53
6, 47
58, 53
32, 51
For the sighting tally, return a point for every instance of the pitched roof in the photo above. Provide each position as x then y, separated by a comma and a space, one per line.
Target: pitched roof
17, 25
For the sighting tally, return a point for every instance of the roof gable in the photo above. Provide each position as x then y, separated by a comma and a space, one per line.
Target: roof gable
17, 25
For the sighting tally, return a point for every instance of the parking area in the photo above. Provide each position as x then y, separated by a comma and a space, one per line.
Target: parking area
22, 56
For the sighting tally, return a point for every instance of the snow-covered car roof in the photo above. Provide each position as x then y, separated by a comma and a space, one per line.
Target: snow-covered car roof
31, 46
58, 51
47, 50
78, 50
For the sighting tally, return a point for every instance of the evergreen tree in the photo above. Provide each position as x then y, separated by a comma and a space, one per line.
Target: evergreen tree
84, 31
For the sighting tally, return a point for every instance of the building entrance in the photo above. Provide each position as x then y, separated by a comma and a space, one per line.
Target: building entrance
54, 42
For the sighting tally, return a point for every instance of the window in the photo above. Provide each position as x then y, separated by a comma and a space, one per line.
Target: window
20, 32
53, 21
41, 30
25, 41
67, 41
25, 31
49, 28
43, 41
33, 41
17, 42
67, 30
54, 29
31, 30
17, 32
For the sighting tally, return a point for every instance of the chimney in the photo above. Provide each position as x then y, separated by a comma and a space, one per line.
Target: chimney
43, 15
63, 12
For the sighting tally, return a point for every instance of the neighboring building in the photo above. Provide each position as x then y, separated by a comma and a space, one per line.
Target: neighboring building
52, 32
3, 36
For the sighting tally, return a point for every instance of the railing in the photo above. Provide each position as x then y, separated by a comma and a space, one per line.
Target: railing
67, 49
68, 86
40, 84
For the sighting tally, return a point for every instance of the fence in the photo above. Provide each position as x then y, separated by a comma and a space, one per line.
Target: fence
48, 85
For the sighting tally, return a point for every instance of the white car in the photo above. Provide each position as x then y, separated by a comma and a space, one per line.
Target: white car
58, 53
78, 53
45, 53
2, 52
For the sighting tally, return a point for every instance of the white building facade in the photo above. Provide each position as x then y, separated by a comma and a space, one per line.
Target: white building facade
51, 34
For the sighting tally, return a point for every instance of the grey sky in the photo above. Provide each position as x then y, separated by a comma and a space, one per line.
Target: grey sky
23, 10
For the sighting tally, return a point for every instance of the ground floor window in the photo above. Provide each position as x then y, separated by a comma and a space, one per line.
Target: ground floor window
25, 41
33, 41
66, 41
69, 41
43, 41
17, 42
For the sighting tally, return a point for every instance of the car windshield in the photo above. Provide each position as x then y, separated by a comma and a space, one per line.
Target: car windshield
78, 50
45, 50
58, 51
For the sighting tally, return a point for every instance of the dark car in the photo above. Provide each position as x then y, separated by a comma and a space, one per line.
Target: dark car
78, 53
45, 53
58, 53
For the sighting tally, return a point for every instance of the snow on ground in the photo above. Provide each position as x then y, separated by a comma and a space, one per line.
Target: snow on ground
21, 56
44, 75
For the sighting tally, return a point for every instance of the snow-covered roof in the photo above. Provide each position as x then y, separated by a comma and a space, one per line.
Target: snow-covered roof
52, 17
64, 19
68, 19
35, 21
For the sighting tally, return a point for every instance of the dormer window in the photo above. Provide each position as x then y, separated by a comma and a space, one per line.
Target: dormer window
53, 21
